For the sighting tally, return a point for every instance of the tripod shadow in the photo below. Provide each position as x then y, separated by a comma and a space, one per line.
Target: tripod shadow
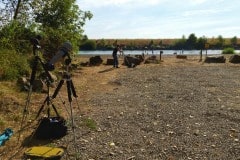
31, 141
106, 70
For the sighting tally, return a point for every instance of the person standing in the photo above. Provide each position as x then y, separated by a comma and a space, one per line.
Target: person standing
115, 57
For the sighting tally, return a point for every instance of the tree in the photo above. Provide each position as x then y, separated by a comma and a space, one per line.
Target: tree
56, 20
101, 44
201, 42
88, 45
233, 41
220, 42
61, 20
180, 44
17, 10
191, 41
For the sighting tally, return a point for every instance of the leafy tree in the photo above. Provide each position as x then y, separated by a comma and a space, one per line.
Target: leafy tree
191, 41
101, 44
220, 42
61, 20
180, 44
201, 42
233, 41
88, 45
15, 36
56, 20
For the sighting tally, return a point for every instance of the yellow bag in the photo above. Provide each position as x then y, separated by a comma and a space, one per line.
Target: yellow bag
44, 152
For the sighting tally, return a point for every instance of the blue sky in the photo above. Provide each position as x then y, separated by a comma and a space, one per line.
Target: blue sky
161, 18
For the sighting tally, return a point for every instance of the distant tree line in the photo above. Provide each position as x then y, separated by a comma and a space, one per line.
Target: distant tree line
190, 43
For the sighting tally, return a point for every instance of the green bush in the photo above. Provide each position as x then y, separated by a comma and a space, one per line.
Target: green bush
13, 65
228, 50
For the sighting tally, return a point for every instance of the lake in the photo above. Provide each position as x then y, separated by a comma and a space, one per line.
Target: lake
165, 52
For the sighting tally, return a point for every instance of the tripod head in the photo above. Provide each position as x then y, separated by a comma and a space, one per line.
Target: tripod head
36, 44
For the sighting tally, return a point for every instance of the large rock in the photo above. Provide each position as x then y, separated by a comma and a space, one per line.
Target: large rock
215, 59
140, 57
95, 61
234, 58
151, 59
132, 61
23, 83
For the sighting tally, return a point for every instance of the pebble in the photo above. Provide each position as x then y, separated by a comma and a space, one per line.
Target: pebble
236, 140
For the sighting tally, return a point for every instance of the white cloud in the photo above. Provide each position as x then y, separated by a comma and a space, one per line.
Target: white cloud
160, 18
126, 3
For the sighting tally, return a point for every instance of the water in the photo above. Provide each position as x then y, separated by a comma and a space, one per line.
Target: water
165, 52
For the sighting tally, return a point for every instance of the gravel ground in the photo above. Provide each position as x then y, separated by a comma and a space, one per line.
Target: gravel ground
178, 109
163, 112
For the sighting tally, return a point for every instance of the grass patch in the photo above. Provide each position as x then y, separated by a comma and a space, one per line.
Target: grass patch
90, 123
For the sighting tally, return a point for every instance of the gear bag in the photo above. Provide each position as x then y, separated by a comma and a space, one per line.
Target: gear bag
51, 128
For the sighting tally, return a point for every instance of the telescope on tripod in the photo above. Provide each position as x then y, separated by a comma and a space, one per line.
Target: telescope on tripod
63, 52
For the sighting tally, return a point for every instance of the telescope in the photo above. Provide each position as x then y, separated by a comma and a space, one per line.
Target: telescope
63, 51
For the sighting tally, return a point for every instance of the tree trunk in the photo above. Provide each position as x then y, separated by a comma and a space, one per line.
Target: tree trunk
17, 9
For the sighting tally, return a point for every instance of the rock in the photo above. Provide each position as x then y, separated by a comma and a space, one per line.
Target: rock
131, 62
23, 83
213, 59
151, 59
141, 57
234, 58
95, 61
84, 64
181, 56
197, 132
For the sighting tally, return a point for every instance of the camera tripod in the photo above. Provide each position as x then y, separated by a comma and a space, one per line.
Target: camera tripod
37, 59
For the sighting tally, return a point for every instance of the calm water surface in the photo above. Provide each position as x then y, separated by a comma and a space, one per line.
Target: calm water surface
165, 52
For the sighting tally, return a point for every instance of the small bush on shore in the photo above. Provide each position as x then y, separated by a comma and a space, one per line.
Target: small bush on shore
13, 65
228, 51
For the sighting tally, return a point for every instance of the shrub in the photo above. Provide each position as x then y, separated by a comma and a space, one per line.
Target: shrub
228, 50
13, 65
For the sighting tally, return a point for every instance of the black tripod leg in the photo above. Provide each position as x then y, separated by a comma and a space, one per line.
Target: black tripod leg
74, 92
73, 89
69, 90
33, 74
34, 70
57, 89
54, 108
40, 110
46, 71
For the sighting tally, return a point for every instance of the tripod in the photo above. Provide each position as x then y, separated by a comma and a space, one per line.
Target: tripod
70, 91
37, 59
